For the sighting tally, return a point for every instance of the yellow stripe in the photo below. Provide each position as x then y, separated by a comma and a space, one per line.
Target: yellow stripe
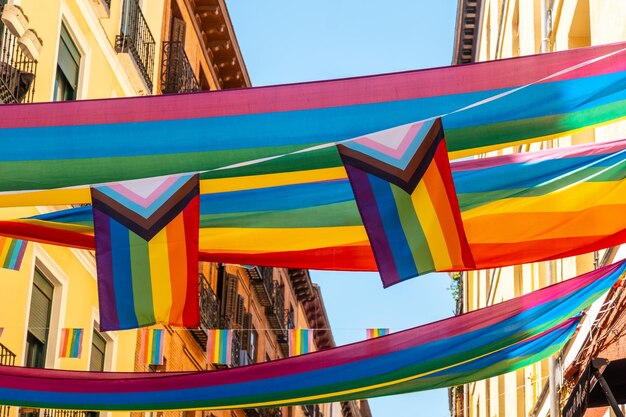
47, 198
160, 276
430, 225
278, 240
575, 198
271, 180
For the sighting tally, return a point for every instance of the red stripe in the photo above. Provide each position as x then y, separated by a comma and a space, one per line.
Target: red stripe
191, 219
41, 234
441, 159
389, 87
340, 258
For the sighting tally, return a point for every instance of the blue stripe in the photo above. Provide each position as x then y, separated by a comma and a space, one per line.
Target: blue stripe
311, 126
287, 197
15, 254
402, 255
122, 276
528, 174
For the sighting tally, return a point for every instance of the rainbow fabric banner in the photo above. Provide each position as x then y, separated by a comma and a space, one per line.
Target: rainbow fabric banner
404, 192
12, 253
484, 106
300, 341
372, 333
554, 203
152, 345
542, 205
146, 238
71, 343
465, 348
219, 346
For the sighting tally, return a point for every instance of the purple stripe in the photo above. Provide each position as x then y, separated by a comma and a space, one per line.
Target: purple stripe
104, 266
542, 155
20, 255
366, 202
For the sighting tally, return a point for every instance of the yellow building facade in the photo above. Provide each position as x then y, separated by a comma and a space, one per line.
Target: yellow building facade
58, 50
496, 29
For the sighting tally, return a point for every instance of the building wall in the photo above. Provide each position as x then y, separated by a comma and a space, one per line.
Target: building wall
509, 28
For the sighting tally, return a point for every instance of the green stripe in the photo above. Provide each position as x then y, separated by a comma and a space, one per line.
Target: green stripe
505, 132
54, 174
331, 215
7, 261
413, 231
142, 285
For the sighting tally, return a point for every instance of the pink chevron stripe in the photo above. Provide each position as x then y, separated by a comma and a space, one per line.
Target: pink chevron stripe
352, 91
145, 202
402, 147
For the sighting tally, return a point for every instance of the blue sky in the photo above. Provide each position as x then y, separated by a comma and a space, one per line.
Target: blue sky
287, 41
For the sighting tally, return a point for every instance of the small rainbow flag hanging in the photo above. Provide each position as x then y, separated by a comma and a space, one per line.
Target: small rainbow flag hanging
372, 333
12, 252
300, 341
403, 188
71, 343
219, 346
153, 342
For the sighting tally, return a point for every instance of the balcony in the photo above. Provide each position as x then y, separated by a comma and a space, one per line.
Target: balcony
136, 40
209, 312
176, 73
264, 412
17, 71
277, 318
35, 412
262, 282
312, 410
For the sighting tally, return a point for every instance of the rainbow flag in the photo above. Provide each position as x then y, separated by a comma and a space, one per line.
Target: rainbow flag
71, 343
219, 346
372, 333
146, 239
300, 341
12, 252
543, 205
465, 348
485, 105
404, 192
152, 345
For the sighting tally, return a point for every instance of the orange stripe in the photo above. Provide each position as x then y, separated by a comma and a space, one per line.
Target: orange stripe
520, 227
437, 192
177, 254
64, 343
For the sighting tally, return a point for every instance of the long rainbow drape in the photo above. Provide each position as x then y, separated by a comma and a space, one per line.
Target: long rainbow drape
146, 238
71, 343
543, 205
497, 103
554, 203
495, 339
405, 195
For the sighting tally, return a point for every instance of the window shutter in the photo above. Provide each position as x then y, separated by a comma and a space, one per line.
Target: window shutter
98, 352
240, 312
245, 333
230, 298
69, 58
40, 307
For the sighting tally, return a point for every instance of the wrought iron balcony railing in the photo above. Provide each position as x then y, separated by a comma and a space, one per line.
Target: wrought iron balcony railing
17, 71
209, 305
136, 39
276, 312
35, 412
176, 73
262, 282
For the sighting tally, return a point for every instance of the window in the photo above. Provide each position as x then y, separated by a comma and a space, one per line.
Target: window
68, 65
39, 321
254, 343
98, 352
